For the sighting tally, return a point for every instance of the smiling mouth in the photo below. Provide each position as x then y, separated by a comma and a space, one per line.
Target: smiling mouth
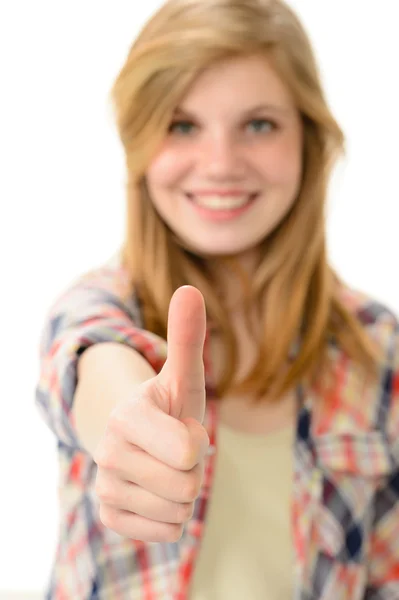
216, 202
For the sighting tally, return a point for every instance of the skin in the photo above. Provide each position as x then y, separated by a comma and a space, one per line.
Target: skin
218, 140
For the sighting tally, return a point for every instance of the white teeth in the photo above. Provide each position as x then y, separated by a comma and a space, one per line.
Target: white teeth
221, 202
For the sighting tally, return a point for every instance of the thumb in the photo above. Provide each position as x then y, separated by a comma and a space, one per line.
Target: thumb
183, 372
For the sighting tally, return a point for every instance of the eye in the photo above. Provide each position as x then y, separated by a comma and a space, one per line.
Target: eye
182, 127
263, 125
185, 127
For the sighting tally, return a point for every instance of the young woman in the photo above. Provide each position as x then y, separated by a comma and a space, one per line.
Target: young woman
256, 454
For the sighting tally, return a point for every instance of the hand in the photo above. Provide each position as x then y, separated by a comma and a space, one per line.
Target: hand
151, 457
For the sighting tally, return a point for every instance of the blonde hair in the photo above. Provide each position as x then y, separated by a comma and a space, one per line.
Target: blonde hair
302, 293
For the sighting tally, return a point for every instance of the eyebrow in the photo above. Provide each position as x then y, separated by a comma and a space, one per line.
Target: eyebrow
284, 110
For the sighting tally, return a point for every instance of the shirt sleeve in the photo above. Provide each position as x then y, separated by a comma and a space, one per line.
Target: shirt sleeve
383, 581
92, 310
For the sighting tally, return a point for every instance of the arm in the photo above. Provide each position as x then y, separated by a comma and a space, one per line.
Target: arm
107, 374
90, 315
383, 580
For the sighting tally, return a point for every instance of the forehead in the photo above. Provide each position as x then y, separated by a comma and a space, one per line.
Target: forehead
237, 81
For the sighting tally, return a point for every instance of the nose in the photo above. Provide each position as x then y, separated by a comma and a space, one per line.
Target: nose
222, 158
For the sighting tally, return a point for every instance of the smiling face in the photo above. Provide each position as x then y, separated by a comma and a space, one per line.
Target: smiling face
230, 167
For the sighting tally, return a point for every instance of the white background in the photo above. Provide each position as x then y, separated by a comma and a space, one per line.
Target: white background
62, 202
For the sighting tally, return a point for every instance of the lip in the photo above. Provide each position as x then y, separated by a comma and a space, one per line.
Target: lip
223, 215
216, 192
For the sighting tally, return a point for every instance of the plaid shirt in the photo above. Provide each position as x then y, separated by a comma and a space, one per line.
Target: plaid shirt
345, 505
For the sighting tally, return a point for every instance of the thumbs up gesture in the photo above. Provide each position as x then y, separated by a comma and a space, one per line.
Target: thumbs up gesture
151, 457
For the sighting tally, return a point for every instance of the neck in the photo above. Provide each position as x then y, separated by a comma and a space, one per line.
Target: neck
233, 276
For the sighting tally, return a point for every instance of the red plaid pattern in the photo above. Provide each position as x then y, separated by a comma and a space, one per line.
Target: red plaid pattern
345, 506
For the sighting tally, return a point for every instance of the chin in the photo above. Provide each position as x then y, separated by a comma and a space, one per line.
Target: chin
220, 250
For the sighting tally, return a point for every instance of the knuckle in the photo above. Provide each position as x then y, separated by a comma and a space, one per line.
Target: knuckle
104, 490
184, 512
190, 487
106, 458
187, 452
108, 452
107, 517
172, 533
117, 420
98, 454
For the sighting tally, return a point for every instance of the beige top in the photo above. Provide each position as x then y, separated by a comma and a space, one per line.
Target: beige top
247, 550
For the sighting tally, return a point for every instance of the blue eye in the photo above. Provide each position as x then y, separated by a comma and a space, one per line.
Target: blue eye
183, 127
260, 123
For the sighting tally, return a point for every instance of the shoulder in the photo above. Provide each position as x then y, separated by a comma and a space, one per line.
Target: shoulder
372, 312
379, 321
355, 403
356, 418
102, 294
107, 283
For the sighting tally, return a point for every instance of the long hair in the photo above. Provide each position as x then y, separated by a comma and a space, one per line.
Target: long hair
298, 294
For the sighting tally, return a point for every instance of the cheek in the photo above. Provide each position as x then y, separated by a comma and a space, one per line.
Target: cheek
282, 162
166, 169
